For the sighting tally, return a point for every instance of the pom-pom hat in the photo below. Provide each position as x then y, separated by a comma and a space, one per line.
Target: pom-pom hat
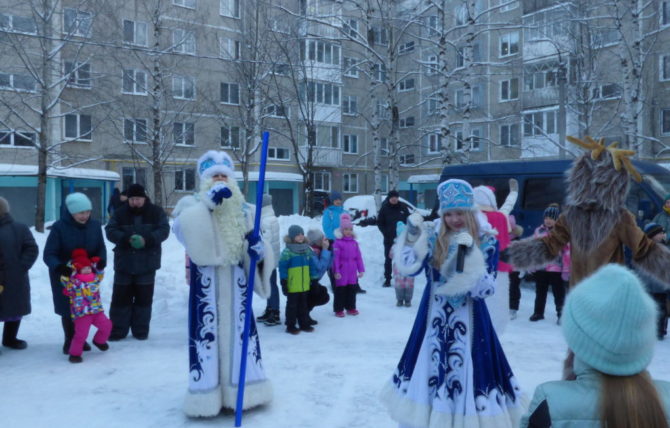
609, 322
80, 259
455, 194
215, 162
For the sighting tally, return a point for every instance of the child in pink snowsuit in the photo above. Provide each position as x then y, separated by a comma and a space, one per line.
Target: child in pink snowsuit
347, 268
83, 289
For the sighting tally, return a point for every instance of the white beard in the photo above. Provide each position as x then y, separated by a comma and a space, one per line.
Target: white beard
230, 221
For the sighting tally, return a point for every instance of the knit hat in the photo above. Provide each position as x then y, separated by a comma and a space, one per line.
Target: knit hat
552, 212
4, 206
455, 194
652, 229
666, 197
345, 221
136, 191
314, 236
77, 202
393, 193
484, 197
214, 162
334, 196
609, 322
80, 259
294, 231
267, 199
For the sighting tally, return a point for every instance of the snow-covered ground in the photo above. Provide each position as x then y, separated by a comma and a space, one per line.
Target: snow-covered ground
326, 379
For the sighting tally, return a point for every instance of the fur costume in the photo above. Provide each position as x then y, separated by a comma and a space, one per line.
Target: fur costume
217, 296
595, 221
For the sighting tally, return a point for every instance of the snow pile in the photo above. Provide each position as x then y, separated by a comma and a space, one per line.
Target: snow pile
327, 379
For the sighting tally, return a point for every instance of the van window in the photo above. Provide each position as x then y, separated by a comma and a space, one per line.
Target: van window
501, 184
540, 192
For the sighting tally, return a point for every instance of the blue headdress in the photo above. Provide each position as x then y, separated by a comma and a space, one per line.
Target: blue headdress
214, 162
455, 194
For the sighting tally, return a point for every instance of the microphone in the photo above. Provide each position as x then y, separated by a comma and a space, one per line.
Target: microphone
460, 258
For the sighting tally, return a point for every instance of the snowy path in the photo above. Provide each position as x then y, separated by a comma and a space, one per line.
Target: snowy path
326, 379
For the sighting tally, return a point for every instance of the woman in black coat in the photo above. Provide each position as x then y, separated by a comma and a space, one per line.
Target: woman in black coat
18, 252
75, 229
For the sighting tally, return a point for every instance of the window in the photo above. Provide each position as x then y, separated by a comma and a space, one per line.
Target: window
547, 25
230, 49
406, 47
324, 52
326, 136
281, 69
476, 134
350, 183
605, 37
509, 89
350, 28
665, 12
407, 122
664, 65
350, 144
476, 98
133, 175
230, 93
538, 76
431, 27
350, 105
135, 130
379, 36
665, 121
184, 179
17, 24
509, 135
134, 82
322, 93
184, 3
461, 15
379, 72
17, 82
277, 111
321, 181
17, 138
78, 127
383, 145
407, 159
431, 65
607, 91
183, 87
350, 67
432, 106
434, 143
134, 33
230, 8
539, 123
278, 153
78, 74
382, 110
509, 44
230, 137
506, 5
540, 192
183, 41
183, 133
77, 23
406, 85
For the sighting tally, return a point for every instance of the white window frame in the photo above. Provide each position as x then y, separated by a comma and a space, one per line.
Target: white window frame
407, 159
183, 41
507, 87
549, 123
80, 120
508, 39
137, 88
350, 105
135, 122
350, 67
183, 134
323, 52
432, 106
11, 21
406, 47
665, 112
82, 22
350, 27
598, 90
664, 66
274, 153
181, 86
350, 182
434, 143
139, 27
407, 84
232, 88
321, 181
431, 65
379, 70
513, 140
11, 80
322, 93
508, 5
229, 8
664, 13
76, 78
407, 122
230, 48
12, 135
272, 109
350, 144
188, 4
232, 131
380, 36
184, 173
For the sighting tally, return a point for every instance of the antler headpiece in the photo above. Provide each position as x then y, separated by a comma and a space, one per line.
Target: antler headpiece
620, 157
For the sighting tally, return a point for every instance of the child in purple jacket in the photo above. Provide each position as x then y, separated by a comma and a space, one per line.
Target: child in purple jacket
347, 268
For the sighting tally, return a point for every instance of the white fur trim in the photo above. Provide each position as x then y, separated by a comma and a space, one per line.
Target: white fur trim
262, 279
460, 283
255, 394
203, 404
420, 250
485, 198
182, 204
197, 229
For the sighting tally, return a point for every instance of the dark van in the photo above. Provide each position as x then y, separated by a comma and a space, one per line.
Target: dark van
542, 182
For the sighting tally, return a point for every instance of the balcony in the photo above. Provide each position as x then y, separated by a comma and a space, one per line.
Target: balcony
540, 97
323, 156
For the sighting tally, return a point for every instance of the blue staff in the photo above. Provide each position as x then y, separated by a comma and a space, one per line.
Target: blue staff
250, 283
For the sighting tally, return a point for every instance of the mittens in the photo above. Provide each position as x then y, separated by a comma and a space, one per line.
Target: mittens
137, 242
255, 248
219, 192
464, 238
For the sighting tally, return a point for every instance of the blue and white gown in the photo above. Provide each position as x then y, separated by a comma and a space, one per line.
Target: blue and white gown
453, 371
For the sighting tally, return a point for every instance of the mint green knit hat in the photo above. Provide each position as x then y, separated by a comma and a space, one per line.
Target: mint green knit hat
77, 202
609, 322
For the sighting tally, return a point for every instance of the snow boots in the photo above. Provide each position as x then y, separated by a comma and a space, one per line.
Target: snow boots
9, 339
270, 317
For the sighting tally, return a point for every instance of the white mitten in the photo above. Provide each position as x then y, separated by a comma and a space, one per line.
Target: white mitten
464, 238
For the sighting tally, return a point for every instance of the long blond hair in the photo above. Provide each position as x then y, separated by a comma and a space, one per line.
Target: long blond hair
442, 242
630, 402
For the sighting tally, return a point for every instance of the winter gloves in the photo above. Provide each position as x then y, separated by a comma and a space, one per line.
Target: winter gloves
219, 192
464, 238
137, 241
255, 248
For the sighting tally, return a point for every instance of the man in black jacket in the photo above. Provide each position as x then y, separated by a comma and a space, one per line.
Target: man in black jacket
391, 212
137, 228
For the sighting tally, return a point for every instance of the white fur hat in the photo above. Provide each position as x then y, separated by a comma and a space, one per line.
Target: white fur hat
485, 198
215, 162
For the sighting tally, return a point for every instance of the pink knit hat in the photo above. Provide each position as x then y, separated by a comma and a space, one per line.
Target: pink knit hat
345, 221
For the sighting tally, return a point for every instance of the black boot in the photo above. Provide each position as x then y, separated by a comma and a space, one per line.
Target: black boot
9, 336
140, 322
273, 318
265, 315
68, 332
